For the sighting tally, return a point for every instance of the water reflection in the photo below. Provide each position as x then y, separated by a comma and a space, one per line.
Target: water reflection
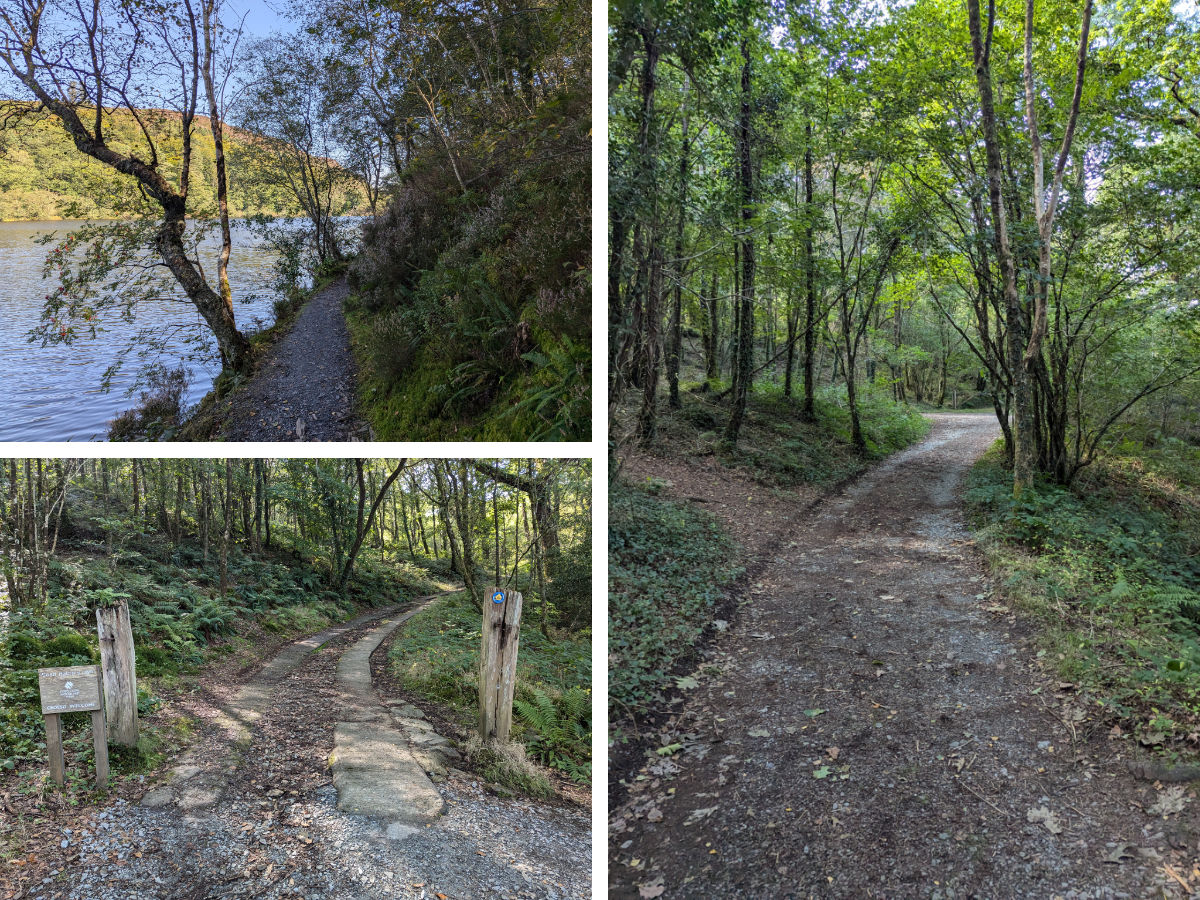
54, 393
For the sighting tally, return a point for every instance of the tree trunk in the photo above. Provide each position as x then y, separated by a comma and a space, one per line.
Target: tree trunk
809, 411
745, 345
1022, 401
675, 328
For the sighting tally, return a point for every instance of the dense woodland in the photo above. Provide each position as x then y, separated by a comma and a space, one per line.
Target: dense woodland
993, 209
460, 131
827, 217
216, 555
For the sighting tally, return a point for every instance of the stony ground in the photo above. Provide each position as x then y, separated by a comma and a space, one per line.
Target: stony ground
876, 723
276, 830
305, 388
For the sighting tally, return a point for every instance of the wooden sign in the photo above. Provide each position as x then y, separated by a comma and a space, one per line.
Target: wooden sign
73, 689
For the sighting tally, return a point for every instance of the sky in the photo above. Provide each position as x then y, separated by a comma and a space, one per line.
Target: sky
262, 16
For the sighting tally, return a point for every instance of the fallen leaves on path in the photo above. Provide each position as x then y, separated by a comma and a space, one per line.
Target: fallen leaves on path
1045, 817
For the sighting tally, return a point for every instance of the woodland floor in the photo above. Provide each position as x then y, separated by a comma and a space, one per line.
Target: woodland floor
276, 830
304, 390
875, 722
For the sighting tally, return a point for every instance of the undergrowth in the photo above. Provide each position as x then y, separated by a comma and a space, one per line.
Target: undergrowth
777, 446
1111, 570
179, 616
436, 657
667, 566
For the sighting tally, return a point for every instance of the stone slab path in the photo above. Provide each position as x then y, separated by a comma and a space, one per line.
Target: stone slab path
876, 723
202, 775
374, 771
253, 813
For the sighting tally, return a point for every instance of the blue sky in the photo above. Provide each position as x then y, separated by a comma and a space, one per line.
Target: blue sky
263, 16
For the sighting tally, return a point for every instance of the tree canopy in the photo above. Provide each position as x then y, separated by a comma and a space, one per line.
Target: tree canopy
983, 206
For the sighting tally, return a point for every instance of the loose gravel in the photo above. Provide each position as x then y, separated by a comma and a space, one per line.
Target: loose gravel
276, 832
305, 388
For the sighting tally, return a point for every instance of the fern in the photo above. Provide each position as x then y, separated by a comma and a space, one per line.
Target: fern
562, 729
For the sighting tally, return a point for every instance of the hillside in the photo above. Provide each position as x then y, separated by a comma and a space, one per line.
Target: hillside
43, 176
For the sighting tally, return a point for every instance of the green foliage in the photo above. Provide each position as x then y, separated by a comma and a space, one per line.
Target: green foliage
474, 315
562, 729
43, 176
668, 566
779, 447
437, 657
1111, 568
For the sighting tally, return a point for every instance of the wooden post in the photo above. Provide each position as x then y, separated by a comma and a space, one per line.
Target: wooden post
118, 665
100, 745
54, 747
498, 663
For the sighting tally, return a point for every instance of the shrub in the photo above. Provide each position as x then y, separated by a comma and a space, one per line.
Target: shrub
160, 410
562, 729
667, 565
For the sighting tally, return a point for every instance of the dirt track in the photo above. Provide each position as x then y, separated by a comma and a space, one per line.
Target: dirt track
876, 724
262, 821
305, 388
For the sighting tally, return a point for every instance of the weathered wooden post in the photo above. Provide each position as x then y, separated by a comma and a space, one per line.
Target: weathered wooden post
498, 663
120, 673
73, 689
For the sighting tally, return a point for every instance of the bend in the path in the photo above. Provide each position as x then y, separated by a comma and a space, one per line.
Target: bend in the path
305, 388
879, 727
374, 770
202, 775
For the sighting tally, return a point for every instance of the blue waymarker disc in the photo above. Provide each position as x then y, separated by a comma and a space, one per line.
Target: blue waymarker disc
498, 597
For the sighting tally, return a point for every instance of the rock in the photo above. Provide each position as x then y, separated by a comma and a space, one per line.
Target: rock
414, 724
198, 797
376, 775
184, 772
157, 798
398, 831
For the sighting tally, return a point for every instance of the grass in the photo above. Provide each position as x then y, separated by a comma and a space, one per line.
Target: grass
1110, 571
436, 657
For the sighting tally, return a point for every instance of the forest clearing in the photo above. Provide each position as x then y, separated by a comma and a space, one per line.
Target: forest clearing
308, 665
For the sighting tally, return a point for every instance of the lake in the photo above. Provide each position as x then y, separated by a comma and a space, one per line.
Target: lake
54, 393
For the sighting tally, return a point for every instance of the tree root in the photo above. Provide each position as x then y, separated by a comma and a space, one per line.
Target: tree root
1149, 770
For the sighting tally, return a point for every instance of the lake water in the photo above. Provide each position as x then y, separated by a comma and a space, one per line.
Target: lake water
54, 393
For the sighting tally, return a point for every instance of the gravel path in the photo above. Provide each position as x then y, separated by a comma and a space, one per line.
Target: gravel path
276, 830
875, 723
304, 390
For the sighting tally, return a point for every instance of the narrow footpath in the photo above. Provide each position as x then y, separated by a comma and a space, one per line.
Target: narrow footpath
875, 723
304, 390
307, 783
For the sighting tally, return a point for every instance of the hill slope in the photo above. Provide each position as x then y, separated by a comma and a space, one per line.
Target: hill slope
43, 176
